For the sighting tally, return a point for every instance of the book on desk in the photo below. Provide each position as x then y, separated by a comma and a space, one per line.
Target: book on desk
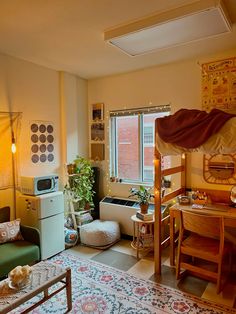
144, 217
214, 207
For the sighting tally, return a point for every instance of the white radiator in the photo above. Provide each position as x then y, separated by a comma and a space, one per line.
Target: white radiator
119, 210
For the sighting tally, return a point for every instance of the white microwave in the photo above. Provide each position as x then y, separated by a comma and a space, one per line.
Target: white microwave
39, 185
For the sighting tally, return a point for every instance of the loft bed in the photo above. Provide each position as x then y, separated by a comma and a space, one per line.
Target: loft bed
186, 131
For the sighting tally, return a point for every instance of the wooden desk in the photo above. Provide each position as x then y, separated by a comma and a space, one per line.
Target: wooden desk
229, 214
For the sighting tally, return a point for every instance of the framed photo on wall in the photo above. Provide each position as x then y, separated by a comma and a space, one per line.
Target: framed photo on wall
97, 132
97, 151
98, 112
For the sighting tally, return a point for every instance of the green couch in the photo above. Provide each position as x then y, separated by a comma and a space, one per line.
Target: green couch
21, 252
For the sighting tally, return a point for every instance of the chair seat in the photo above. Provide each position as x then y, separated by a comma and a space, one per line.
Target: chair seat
201, 243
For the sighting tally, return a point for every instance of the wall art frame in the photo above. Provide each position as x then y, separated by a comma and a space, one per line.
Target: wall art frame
97, 112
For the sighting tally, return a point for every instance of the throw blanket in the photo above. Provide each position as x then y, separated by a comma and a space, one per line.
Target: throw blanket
190, 128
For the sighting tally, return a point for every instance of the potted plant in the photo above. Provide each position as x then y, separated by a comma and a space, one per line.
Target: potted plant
80, 183
143, 195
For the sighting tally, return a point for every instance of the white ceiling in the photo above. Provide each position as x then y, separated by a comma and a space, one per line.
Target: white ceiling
67, 35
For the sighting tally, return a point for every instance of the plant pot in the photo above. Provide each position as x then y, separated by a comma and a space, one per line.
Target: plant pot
71, 168
87, 206
144, 208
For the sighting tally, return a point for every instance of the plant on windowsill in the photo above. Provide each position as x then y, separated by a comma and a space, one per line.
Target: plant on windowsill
80, 183
143, 195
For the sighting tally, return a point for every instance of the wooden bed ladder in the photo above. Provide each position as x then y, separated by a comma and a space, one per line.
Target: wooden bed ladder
158, 201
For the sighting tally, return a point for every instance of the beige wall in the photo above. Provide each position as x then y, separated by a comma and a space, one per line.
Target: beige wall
37, 93
178, 84
76, 116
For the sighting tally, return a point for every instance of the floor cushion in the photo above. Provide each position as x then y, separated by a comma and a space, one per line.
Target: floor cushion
100, 233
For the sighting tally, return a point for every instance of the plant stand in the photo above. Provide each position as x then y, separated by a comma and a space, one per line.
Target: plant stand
72, 206
143, 235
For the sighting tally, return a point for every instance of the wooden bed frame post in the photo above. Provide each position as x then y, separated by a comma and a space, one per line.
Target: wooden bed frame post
157, 223
183, 173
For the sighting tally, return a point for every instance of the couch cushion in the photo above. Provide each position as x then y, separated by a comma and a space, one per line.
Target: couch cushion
17, 253
10, 231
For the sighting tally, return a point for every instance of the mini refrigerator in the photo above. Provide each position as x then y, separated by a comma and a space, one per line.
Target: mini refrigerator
46, 213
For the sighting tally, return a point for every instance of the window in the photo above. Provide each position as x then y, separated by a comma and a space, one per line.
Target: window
148, 134
132, 143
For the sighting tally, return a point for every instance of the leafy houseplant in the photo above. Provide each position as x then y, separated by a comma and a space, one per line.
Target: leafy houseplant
80, 183
143, 195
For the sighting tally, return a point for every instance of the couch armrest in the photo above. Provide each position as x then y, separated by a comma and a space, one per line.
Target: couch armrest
30, 234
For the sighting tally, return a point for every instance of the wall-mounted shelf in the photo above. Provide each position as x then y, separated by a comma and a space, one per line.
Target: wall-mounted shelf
97, 132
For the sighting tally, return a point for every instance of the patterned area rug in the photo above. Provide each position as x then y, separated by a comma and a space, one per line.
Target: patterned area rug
99, 289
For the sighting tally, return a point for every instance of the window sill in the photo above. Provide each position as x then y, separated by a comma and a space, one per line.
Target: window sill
134, 183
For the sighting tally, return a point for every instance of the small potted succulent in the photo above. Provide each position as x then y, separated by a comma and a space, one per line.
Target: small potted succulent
143, 195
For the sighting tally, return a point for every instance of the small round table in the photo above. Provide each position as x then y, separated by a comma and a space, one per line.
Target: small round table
143, 234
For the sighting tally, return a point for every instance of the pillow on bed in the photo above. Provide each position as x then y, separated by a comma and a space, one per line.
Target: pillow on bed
10, 231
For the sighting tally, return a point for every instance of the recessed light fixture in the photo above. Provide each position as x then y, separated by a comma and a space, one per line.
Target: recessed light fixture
195, 21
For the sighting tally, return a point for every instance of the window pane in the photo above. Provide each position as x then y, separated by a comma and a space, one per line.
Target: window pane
128, 148
148, 134
148, 144
148, 174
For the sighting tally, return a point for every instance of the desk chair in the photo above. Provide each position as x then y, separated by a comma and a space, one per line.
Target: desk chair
205, 241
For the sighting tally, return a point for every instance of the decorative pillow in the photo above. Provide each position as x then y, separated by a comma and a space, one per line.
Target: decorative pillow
10, 231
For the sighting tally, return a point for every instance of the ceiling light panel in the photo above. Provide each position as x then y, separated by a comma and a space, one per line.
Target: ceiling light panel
202, 19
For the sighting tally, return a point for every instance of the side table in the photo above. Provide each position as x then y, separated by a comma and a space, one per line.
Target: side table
143, 234
44, 275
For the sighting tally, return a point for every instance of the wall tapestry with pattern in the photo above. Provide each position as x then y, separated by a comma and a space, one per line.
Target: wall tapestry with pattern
219, 85
42, 142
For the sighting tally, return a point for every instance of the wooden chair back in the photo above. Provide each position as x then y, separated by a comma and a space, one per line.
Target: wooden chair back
208, 226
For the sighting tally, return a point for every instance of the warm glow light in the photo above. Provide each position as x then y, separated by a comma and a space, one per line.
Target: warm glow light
13, 148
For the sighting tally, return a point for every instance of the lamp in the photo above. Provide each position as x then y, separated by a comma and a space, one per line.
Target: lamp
192, 22
13, 144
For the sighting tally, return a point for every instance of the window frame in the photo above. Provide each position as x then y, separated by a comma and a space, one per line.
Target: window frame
113, 165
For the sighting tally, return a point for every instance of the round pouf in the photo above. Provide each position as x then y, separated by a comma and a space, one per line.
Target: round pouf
100, 234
